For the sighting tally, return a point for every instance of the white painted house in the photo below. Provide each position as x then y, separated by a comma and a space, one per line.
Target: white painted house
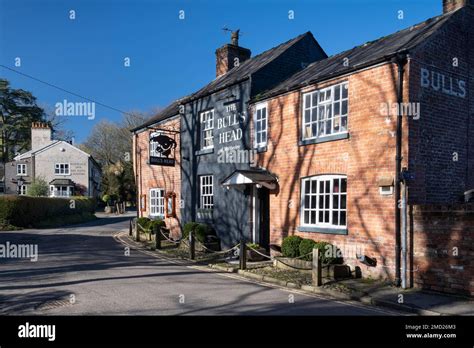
67, 169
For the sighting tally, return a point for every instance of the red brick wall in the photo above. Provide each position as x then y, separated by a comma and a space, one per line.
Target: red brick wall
443, 245
153, 176
367, 155
442, 139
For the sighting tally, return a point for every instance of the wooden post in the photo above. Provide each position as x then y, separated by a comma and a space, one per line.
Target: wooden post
130, 228
192, 245
137, 230
243, 255
157, 230
316, 271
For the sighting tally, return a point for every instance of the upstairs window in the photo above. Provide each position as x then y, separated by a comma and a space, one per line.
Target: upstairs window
261, 124
61, 169
207, 129
325, 112
21, 169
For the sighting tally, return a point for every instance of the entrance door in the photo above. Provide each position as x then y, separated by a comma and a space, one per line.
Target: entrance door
260, 216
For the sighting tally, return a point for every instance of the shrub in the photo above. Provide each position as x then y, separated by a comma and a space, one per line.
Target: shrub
24, 211
306, 247
326, 253
200, 230
188, 227
291, 246
253, 245
106, 199
152, 223
143, 222
38, 188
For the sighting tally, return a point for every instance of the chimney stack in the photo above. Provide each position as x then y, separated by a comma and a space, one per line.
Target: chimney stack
453, 5
230, 55
40, 135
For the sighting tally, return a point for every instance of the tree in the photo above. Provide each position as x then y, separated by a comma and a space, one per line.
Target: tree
111, 145
38, 188
18, 109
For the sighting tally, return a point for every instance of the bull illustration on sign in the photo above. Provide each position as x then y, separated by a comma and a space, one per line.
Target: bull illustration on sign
162, 149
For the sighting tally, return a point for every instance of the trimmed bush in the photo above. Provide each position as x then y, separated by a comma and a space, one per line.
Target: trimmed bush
326, 252
143, 222
306, 247
201, 231
24, 211
291, 246
188, 227
153, 223
253, 246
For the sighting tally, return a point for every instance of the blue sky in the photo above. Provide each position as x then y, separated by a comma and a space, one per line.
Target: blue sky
169, 57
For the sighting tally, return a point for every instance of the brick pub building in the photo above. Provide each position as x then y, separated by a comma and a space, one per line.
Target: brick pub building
342, 144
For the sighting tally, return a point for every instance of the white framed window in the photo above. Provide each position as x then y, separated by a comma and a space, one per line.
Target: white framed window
22, 190
207, 129
61, 169
206, 190
60, 191
325, 111
21, 169
157, 202
324, 201
261, 125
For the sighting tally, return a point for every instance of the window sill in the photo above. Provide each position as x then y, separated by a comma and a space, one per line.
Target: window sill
204, 152
323, 139
261, 148
326, 230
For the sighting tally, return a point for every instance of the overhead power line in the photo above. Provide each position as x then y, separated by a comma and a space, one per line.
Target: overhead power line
65, 90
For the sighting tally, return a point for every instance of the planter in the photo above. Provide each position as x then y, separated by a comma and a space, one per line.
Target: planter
255, 257
333, 272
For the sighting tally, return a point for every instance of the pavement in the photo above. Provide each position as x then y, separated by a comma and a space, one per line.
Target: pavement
86, 270
412, 300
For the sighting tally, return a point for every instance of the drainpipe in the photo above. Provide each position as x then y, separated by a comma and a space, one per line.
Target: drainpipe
401, 60
403, 208
138, 198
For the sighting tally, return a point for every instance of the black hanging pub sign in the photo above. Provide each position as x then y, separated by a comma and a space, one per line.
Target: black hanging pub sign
162, 148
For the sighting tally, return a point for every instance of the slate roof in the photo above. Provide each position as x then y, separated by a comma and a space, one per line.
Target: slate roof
362, 56
28, 153
170, 111
62, 182
246, 68
233, 76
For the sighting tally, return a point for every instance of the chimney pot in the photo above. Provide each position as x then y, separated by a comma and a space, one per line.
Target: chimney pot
230, 55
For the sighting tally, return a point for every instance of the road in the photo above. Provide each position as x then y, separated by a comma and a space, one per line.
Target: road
84, 270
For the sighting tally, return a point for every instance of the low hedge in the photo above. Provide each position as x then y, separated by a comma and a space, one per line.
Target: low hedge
327, 253
306, 247
295, 246
290, 247
148, 224
201, 230
25, 211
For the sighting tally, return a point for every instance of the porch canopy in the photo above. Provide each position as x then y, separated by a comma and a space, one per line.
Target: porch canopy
61, 188
62, 182
241, 178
